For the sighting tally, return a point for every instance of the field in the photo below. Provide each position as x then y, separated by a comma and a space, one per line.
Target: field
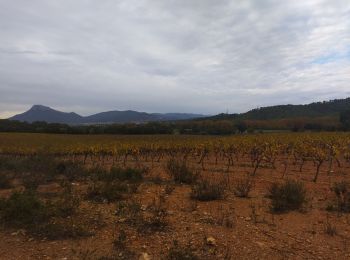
277, 196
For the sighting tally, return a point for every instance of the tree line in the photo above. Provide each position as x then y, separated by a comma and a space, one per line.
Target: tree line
204, 127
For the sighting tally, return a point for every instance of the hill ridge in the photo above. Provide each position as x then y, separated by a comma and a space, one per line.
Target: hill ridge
50, 115
315, 109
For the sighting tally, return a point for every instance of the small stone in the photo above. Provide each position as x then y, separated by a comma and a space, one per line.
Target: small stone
144, 256
261, 244
211, 241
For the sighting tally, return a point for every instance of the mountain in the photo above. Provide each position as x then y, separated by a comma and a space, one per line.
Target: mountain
176, 116
120, 117
49, 115
331, 108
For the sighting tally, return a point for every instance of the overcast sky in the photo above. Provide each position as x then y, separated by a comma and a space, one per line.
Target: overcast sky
200, 56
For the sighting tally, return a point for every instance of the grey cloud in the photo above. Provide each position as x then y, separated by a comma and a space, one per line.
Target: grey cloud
171, 56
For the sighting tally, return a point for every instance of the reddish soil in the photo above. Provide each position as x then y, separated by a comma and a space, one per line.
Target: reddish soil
242, 228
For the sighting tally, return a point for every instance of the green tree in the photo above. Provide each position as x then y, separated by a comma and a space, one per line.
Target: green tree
345, 119
241, 126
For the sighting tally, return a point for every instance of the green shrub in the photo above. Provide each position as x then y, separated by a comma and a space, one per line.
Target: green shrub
51, 219
205, 190
7, 164
97, 172
68, 203
32, 181
117, 174
22, 210
180, 172
36, 164
243, 186
342, 195
71, 170
129, 210
107, 191
291, 195
5, 181
40, 169
154, 218
169, 188
127, 174
62, 230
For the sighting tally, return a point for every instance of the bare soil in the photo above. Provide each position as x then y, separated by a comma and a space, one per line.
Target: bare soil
241, 228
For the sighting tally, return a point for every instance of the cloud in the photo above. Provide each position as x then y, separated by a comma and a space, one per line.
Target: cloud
172, 56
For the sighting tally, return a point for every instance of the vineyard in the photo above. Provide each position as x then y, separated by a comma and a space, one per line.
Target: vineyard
175, 196
323, 150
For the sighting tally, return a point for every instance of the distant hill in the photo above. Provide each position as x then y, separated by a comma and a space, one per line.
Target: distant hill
49, 115
331, 108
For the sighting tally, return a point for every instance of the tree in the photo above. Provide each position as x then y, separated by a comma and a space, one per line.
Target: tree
345, 119
241, 126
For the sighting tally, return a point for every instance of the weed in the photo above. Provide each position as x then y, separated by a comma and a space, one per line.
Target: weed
120, 245
23, 210
97, 173
156, 217
169, 188
205, 190
5, 181
291, 195
38, 163
71, 170
243, 186
329, 228
26, 210
156, 179
32, 181
226, 219
120, 241
342, 194
62, 230
107, 191
68, 203
130, 211
180, 172
120, 174
179, 252
254, 215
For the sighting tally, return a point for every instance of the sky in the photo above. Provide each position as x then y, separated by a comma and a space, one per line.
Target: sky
198, 56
